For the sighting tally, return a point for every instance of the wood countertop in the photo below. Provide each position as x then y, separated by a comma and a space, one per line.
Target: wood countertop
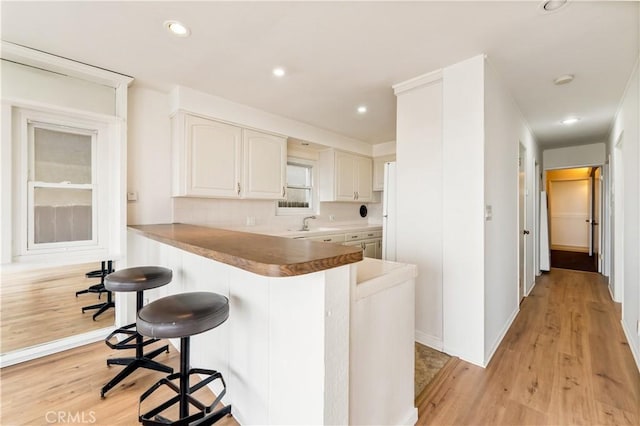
261, 254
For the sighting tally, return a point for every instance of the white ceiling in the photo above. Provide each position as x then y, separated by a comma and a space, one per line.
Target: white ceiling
339, 55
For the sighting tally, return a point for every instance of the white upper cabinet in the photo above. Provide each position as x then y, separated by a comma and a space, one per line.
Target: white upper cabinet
378, 170
219, 160
265, 161
345, 177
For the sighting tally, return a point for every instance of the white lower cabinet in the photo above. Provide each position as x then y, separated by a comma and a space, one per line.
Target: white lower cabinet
219, 160
369, 241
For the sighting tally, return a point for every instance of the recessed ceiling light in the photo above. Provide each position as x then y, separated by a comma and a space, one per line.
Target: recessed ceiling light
552, 5
563, 79
362, 109
569, 121
177, 28
279, 72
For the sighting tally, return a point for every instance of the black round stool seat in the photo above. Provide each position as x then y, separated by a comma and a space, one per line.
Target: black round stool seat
183, 315
138, 278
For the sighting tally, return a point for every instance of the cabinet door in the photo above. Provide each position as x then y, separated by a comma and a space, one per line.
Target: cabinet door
214, 155
345, 177
364, 187
378, 171
379, 248
265, 165
370, 248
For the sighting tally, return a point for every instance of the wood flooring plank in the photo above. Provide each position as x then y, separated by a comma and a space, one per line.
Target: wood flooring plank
572, 398
612, 384
40, 306
536, 373
612, 416
68, 384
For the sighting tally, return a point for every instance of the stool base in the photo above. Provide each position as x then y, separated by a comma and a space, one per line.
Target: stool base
206, 415
133, 363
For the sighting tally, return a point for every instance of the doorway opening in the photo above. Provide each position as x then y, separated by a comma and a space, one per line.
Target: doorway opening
575, 212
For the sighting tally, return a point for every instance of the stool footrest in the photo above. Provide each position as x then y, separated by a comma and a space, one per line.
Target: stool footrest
132, 336
206, 414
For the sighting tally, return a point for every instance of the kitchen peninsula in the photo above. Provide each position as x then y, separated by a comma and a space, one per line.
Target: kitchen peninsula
285, 350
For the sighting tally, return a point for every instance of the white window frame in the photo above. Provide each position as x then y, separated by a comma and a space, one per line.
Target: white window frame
32, 184
26, 120
313, 207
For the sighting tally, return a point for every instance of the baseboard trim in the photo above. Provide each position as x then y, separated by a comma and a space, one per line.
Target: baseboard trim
634, 348
428, 340
411, 418
60, 345
532, 286
577, 249
503, 333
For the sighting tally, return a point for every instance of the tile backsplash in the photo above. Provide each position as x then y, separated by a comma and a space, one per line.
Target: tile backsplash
240, 213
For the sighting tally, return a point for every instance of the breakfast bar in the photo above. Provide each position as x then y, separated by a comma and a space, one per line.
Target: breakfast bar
285, 351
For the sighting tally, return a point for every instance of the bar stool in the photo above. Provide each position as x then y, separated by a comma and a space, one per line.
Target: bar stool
99, 289
184, 315
135, 279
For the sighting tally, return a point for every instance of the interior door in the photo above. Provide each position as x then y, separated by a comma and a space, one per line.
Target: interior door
597, 218
521, 222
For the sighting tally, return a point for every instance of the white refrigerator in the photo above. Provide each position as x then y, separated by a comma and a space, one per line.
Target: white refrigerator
389, 216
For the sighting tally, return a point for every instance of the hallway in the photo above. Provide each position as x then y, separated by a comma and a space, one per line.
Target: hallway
564, 360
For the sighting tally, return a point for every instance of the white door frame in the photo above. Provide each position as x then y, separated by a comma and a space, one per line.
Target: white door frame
522, 222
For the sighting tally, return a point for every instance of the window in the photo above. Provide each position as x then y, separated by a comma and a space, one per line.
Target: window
301, 194
61, 190
65, 187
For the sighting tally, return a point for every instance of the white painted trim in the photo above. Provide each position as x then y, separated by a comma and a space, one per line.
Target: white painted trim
634, 349
60, 110
428, 340
60, 345
411, 418
419, 81
38, 59
504, 331
532, 287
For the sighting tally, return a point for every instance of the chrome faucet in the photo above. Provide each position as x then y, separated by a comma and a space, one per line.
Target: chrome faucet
305, 224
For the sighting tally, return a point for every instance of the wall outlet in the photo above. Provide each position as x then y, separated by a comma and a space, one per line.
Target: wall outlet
132, 196
331, 218
251, 220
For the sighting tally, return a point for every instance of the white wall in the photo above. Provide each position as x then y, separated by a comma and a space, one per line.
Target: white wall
458, 133
505, 129
419, 200
149, 157
463, 209
574, 156
385, 148
626, 255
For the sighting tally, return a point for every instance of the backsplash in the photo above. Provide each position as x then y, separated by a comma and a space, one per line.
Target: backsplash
237, 213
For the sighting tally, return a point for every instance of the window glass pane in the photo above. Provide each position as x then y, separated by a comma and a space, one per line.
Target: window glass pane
62, 214
61, 156
296, 198
298, 175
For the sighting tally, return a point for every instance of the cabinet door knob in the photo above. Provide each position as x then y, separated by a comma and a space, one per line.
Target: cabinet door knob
284, 191
238, 188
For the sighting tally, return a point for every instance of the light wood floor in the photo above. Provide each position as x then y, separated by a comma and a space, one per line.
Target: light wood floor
40, 306
68, 384
564, 361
